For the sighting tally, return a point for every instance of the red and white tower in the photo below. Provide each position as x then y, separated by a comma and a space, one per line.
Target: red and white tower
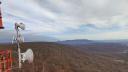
1, 23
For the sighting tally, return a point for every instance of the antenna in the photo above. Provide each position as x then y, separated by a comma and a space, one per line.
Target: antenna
18, 39
28, 55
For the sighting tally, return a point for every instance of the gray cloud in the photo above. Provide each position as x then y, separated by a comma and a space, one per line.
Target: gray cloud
58, 16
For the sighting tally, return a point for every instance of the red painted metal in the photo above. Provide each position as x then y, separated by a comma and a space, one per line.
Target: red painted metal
1, 23
5, 60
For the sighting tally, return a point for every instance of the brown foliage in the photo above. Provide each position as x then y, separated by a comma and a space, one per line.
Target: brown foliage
52, 57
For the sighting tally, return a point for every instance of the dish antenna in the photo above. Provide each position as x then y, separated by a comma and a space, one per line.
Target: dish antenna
28, 55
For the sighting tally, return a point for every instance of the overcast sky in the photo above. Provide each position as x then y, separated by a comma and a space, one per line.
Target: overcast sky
68, 19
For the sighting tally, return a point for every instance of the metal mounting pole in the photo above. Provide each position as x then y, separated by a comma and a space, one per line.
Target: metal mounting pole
19, 39
18, 44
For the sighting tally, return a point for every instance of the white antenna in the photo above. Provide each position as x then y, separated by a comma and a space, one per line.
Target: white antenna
28, 55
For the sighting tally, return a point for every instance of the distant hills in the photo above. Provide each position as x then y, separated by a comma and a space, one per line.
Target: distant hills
97, 45
87, 42
7, 37
77, 42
